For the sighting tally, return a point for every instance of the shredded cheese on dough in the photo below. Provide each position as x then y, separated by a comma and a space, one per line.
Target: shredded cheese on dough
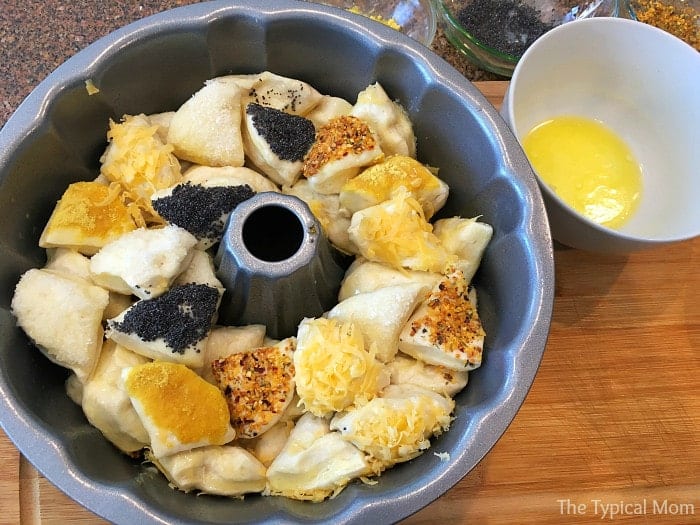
396, 233
333, 370
139, 163
393, 430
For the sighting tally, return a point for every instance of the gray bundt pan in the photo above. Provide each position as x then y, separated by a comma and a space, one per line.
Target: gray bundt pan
58, 133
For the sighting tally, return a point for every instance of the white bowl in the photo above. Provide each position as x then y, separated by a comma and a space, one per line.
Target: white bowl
643, 84
58, 134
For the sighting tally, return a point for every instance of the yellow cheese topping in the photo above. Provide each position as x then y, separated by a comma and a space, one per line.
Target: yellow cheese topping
342, 136
394, 430
382, 181
179, 401
396, 233
333, 369
140, 163
92, 217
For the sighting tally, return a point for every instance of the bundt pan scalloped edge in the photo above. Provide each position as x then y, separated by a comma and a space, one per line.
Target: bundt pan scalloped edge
58, 133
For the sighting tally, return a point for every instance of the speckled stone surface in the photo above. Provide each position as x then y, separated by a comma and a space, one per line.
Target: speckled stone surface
36, 36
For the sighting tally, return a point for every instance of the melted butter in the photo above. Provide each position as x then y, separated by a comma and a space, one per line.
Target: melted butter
588, 166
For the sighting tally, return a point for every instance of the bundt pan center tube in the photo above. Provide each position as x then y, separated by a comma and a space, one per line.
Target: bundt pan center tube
276, 264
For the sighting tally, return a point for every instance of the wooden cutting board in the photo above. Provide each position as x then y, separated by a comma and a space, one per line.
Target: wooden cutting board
611, 422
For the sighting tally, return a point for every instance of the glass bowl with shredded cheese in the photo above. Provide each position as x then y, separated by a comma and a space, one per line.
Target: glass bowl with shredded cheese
414, 18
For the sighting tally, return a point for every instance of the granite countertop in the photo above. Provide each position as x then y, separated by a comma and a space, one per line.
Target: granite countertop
36, 36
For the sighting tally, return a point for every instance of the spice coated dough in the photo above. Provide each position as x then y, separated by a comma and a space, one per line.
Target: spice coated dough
128, 298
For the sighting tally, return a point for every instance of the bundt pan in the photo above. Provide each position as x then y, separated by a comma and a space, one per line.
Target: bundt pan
58, 133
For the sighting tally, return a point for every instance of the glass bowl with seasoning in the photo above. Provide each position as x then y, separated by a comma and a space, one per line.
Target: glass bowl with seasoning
681, 18
494, 34
415, 18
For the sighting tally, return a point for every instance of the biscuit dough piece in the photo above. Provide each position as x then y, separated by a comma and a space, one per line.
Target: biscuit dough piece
266, 447
143, 262
172, 327
276, 142
107, 407
367, 276
68, 262
224, 341
258, 386
343, 147
85, 219
397, 234
179, 410
200, 271
206, 129
162, 120
397, 426
315, 463
72, 263
269, 89
467, 238
326, 208
381, 315
62, 315
382, 181
201, 210
446, 330
407, 370
229, 176
388, 119
220, 470
327, 109
334, 368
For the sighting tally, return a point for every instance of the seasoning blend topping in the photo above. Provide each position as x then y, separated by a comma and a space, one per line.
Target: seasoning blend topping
258, 386
446, 330
342, 147
680, 20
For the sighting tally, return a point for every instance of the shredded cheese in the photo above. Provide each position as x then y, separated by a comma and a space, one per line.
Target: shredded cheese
140, 163
396, 233
333, 369
395, 429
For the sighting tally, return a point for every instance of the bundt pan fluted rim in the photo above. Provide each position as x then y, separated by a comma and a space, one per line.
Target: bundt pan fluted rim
58, 133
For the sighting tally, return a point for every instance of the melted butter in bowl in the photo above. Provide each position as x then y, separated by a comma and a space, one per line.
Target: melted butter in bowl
588, 166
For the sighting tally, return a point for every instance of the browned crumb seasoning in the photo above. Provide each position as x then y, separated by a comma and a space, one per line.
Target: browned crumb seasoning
683, 22
256, 386
452, 321
337, 139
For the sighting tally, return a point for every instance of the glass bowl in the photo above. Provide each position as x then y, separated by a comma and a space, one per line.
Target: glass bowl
494, 34
415, 18
681, 18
